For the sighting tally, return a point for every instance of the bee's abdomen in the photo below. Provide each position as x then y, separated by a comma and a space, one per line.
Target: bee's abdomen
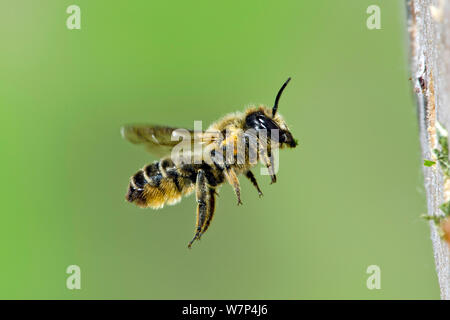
157, 184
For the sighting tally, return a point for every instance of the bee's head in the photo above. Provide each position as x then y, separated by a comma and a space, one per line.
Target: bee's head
268, 119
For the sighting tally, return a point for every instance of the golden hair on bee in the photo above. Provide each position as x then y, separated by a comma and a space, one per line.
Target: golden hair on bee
228, 148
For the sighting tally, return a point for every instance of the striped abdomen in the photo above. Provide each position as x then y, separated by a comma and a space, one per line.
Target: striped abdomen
159, 183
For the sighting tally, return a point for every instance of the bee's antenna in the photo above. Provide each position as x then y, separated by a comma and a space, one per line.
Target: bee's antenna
275, 106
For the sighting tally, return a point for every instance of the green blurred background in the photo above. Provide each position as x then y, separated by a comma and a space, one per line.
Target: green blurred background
350, 196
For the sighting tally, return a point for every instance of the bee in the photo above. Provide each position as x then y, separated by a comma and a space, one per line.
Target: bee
229, 147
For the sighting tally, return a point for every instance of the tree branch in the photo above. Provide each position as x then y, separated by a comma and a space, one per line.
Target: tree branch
429, 31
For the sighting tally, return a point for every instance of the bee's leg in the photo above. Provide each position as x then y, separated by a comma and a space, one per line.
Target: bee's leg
252, 178
210, 209
266, 160
201, 192
232, 179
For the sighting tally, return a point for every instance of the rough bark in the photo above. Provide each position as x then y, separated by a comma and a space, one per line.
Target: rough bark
429, 30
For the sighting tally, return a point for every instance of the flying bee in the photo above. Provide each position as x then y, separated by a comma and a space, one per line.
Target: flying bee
229, 147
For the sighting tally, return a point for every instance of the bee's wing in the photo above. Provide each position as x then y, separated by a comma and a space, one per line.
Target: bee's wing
160, 140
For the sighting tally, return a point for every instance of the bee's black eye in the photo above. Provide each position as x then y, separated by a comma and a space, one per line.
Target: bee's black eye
259, 121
